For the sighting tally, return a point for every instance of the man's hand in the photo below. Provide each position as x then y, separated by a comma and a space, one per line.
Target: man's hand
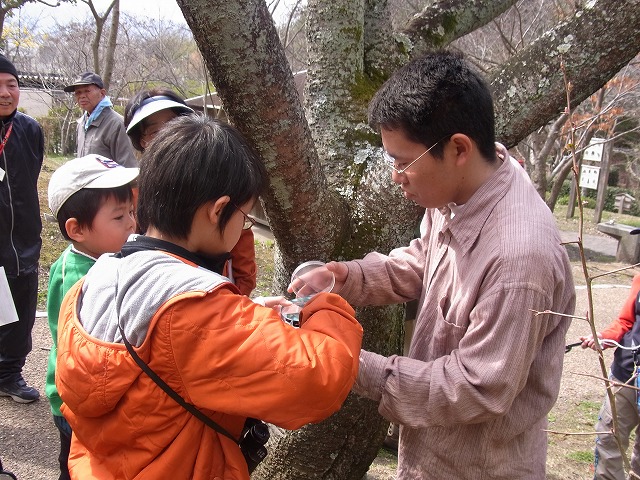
340, 272
309, 283
589, 342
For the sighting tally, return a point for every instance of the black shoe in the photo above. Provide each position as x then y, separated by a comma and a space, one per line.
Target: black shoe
19, 391
391, 440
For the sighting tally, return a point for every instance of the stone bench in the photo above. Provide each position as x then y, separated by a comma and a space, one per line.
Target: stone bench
628, 245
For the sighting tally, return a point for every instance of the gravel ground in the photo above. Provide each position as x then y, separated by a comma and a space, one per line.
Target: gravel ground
29, 440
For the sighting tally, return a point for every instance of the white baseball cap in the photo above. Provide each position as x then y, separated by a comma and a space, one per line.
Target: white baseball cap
152, 105
91, 171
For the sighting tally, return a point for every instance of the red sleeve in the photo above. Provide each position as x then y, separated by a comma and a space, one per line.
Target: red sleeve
626, 317
243, 263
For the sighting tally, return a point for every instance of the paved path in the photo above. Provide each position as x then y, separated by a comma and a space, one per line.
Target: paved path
602, 244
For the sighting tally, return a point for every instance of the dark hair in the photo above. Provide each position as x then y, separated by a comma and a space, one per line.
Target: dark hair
85, 203
434, 97
136, 102
197, 160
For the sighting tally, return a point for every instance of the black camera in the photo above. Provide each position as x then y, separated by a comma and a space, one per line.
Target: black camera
255, 435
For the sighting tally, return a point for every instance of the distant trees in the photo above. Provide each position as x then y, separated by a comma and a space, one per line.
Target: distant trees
129, 53
9, 7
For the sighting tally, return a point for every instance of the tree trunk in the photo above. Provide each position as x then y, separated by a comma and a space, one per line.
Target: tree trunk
330, 195
557, 186
111, 45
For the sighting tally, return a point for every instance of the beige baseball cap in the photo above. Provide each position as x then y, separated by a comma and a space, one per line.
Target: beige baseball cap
90, 171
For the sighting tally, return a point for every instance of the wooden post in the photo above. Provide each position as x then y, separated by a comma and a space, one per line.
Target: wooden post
603, 181
573, 195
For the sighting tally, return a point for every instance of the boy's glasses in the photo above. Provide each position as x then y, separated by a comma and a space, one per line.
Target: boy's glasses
248, 221
391, 161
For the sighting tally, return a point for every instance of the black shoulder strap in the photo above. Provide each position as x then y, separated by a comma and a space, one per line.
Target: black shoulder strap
4, 474
172, 393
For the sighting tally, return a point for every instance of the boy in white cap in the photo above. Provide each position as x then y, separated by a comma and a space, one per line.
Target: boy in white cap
92, 200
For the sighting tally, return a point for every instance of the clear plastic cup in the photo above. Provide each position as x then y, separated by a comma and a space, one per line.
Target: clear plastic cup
307, 280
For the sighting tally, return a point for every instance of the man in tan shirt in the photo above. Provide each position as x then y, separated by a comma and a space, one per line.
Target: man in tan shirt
483, 370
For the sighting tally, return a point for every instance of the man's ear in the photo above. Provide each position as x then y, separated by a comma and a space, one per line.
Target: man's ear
464, 147
214, 209
75, 231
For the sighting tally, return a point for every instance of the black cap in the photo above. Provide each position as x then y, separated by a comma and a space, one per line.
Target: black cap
635, 231
87, 78
7, 67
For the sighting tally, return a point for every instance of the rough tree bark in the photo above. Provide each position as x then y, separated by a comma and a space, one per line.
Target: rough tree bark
330, 195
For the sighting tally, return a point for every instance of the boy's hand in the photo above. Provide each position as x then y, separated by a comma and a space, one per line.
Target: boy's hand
273, 302
589, 342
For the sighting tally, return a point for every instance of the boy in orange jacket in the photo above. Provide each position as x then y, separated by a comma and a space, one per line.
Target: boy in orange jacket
227, 356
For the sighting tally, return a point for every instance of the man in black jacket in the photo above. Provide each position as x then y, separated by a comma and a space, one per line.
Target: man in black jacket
21, 155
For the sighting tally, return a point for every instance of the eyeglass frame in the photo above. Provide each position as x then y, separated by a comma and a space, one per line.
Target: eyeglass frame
248, 221
391, 160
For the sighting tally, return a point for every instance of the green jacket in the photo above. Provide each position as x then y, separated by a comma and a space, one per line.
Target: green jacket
70, 267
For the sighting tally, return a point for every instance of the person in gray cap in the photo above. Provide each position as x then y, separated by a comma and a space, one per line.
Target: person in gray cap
100, 129
21, 155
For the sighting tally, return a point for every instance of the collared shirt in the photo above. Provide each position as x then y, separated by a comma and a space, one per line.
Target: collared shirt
106, 136
483, 369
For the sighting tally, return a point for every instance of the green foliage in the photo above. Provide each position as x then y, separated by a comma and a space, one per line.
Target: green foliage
581, 456
54, 126
264, 260
590, 408
589, 196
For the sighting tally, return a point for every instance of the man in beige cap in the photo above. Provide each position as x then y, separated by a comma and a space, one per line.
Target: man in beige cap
100, 129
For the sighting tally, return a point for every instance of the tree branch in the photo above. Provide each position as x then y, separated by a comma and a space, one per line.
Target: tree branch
591, 55
443, 21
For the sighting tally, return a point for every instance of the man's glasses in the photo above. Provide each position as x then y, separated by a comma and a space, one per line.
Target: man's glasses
248, 221
391, 161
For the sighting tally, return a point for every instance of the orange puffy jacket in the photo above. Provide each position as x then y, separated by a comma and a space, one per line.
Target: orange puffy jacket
221, 352
242, 268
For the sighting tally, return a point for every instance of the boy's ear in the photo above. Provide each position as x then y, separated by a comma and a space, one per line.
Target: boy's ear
74, 229
214, 209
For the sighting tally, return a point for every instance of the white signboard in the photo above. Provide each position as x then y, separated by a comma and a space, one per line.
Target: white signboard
589, 177
8, 312
594, 151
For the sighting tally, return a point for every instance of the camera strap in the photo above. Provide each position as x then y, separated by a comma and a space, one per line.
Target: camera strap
171, 392
5, 474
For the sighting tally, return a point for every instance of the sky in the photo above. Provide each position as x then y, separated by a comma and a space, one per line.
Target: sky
154, 9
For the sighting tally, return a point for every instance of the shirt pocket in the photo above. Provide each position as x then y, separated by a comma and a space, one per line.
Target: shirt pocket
449, 328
